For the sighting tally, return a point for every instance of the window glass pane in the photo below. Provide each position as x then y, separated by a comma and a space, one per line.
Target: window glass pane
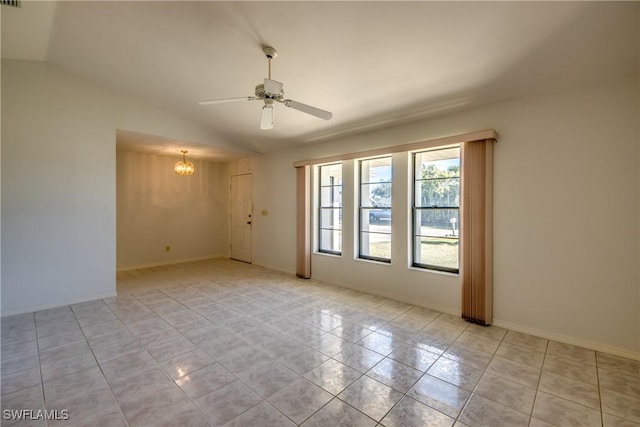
330, 208
437, 222
375, 220
331, 174
375, 170
331, 218
378, 195
331, 196
441, 192
436, 251
437, 174
375, 208
436, 199
331, 240
375, 245
438, 163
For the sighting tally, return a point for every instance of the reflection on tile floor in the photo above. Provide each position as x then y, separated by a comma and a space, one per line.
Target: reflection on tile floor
219, 342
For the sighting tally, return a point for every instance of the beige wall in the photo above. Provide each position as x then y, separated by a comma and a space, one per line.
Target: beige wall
566, 211
59, 182
157, 208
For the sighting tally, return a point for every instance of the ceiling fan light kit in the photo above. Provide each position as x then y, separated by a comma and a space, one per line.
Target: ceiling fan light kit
266, 122
269, 92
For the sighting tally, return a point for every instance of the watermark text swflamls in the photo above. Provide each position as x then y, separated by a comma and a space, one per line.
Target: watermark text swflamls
35, 414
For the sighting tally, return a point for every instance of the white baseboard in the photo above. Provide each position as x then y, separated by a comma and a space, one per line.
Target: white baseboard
55, 305
618, 351
580, 342
270, 267
390, 295
177, 261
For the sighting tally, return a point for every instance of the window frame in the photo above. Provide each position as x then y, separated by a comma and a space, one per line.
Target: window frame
414, 210
320, 209
361, 208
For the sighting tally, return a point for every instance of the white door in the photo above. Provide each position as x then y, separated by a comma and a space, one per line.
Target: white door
241, 217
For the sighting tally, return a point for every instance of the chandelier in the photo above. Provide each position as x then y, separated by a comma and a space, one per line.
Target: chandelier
183, 167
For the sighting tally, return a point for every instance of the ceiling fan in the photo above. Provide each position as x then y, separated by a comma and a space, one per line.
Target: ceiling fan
271, 92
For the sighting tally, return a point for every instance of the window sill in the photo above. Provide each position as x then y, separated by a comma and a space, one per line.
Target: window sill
426, 270
327, 254
373, 261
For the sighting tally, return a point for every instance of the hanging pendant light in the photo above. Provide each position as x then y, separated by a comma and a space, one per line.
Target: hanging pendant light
183, 167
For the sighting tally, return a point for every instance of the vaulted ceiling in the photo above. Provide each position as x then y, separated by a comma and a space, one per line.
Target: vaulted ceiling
371, 63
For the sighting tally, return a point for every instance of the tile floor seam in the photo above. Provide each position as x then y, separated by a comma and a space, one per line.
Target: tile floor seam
197, 408
436, 361
599, 391
44, 402
157, 365
473, 392
101, 372
535, 397
353, 407
476, 386
238, 378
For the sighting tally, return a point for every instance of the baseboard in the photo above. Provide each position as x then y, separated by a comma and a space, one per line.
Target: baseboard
178, 261
442, 309
56, 305
270, 267
591, 345
617, 351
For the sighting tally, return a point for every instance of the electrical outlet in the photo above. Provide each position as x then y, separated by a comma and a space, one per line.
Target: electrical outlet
167, 248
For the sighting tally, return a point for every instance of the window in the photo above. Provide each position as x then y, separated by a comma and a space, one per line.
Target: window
375, 209
330, 209
436, 204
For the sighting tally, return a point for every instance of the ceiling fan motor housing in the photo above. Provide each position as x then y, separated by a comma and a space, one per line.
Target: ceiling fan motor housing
263, 94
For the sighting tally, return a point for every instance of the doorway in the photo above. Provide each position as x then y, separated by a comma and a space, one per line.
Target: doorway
241, 217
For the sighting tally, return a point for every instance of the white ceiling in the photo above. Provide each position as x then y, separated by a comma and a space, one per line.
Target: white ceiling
371, 63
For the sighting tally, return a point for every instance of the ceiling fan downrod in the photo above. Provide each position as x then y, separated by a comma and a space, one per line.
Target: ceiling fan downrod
270, 53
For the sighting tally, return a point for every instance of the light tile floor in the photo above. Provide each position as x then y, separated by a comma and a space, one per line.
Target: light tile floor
219, 342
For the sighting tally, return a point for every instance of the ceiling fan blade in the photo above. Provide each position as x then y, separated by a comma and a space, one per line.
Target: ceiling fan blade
266, 122
223, 101
272, 86
326, 115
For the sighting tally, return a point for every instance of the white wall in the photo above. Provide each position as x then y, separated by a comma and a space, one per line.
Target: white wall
566, 211
58, 183
157, 208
